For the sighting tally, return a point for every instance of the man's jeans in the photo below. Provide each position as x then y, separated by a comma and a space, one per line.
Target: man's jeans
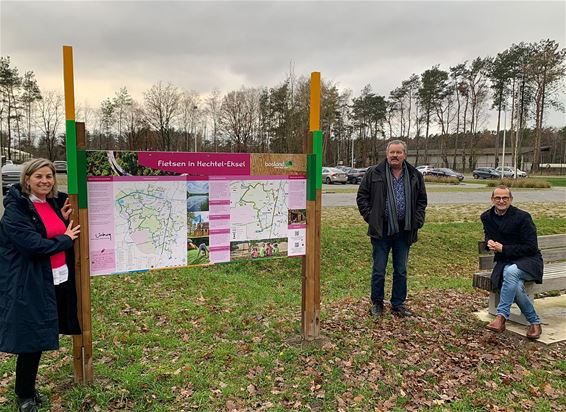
513, 289
399, 244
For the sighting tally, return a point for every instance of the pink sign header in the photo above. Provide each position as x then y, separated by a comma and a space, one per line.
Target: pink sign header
195, 163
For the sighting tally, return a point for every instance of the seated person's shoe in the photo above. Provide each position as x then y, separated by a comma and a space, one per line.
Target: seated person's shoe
402, 311
27, 405
376, 309
498, 325
534, 331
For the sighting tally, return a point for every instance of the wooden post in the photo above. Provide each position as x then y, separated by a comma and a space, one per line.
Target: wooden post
310, 314
84, 262
82, 344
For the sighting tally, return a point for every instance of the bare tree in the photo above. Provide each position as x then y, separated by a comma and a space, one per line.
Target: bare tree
459, 87
121, 103
50, 120
161, 109
10, 82
547, 68
135, 127
189, 116
476, 77
213, 103
238, 116
411, 87
30, 94
107, 122
432, 91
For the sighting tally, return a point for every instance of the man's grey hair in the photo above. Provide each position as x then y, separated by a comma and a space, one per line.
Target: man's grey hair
502, 187
396, 142
30, 168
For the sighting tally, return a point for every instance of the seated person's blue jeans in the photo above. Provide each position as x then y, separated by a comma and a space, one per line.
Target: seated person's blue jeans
513, 289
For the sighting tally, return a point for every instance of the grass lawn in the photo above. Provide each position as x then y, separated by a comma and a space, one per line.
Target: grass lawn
227, 337
553, 180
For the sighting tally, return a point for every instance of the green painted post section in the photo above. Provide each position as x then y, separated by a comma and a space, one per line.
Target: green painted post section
311, 176
317, 150
72, 186
81, 174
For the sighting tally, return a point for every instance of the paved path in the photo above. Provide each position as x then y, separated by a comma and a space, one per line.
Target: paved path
557, 194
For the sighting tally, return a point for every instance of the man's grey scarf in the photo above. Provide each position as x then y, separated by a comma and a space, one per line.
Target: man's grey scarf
392, 221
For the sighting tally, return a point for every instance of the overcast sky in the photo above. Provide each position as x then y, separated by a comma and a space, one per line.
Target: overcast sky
203, 45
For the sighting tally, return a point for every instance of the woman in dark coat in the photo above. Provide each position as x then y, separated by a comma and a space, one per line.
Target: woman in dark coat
37, 280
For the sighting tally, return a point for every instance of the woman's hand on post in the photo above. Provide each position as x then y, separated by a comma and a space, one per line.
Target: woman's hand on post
73, 232
66, 210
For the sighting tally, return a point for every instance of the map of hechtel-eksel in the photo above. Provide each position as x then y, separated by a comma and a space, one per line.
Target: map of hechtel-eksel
151, 221
258, 209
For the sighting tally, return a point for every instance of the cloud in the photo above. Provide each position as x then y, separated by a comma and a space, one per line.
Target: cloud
202, 45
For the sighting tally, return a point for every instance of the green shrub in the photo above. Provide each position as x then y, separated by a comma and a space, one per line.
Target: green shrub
442, 179
534, 183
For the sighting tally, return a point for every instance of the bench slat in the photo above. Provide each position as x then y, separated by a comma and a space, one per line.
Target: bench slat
553, 255
548, 255
554, 278
551, 241
544, 242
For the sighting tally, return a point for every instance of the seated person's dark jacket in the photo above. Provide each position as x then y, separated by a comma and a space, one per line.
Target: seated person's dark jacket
518, 235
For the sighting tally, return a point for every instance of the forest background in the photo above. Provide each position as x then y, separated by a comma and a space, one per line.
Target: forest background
442, 108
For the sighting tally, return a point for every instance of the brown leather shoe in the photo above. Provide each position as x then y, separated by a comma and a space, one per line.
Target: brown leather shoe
534, 331
498, 325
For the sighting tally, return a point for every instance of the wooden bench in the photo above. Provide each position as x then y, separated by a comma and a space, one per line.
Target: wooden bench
553, 250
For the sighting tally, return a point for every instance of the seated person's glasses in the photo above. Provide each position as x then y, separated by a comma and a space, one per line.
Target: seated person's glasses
501, 198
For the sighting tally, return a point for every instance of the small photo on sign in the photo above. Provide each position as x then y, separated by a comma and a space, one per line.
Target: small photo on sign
297, 216
197, 251
258, 249
197, 224
197, 196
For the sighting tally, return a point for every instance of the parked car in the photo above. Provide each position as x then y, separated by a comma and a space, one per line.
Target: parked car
485, 173
510, 172
445, 172
60, 166
342, 167
424, 169
6, 161
10, 175
332, 175
355, 176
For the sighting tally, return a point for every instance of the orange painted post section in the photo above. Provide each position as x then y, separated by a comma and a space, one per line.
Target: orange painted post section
69, 83
314, 123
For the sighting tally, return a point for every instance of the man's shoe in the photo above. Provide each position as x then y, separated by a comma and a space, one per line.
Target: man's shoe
402, 311
534, 331
376, 309
27, 405
498, 325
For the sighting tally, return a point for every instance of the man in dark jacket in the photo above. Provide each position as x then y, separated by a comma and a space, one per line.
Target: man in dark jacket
392, 200
511, 234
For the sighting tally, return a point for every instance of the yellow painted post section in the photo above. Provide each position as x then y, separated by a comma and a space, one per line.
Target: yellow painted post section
69, 83
315, 102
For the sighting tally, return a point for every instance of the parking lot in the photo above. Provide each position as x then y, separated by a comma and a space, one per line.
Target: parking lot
345, 195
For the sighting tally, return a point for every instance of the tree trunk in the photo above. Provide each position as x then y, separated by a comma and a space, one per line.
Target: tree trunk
457, 130
498, 128
538, 123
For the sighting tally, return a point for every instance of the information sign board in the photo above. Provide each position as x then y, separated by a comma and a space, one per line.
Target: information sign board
154, 210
